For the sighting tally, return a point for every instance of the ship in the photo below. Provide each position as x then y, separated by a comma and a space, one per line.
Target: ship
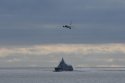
63, 67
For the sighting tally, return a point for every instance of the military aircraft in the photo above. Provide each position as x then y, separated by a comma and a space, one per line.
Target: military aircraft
67, 26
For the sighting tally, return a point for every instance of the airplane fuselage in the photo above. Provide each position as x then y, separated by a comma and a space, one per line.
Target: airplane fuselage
67, 26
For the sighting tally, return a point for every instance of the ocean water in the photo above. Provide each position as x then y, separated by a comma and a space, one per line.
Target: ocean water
38, 75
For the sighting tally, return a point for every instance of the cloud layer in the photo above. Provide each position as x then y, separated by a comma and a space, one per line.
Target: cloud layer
85, 55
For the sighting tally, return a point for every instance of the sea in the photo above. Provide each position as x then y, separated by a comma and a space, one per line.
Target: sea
47, 75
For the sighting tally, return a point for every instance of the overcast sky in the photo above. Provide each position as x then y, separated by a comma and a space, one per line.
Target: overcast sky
38, 23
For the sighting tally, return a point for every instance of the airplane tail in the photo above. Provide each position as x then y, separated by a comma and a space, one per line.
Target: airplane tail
70, 22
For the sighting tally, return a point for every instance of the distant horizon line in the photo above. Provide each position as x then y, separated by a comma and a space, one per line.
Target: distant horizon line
55, 66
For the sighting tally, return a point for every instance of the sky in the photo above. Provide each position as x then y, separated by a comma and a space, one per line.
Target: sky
31, 33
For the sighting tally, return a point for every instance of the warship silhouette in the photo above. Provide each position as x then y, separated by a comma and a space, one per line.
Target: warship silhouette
63, 67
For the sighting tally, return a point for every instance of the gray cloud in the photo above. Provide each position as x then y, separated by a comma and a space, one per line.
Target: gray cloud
36, 21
